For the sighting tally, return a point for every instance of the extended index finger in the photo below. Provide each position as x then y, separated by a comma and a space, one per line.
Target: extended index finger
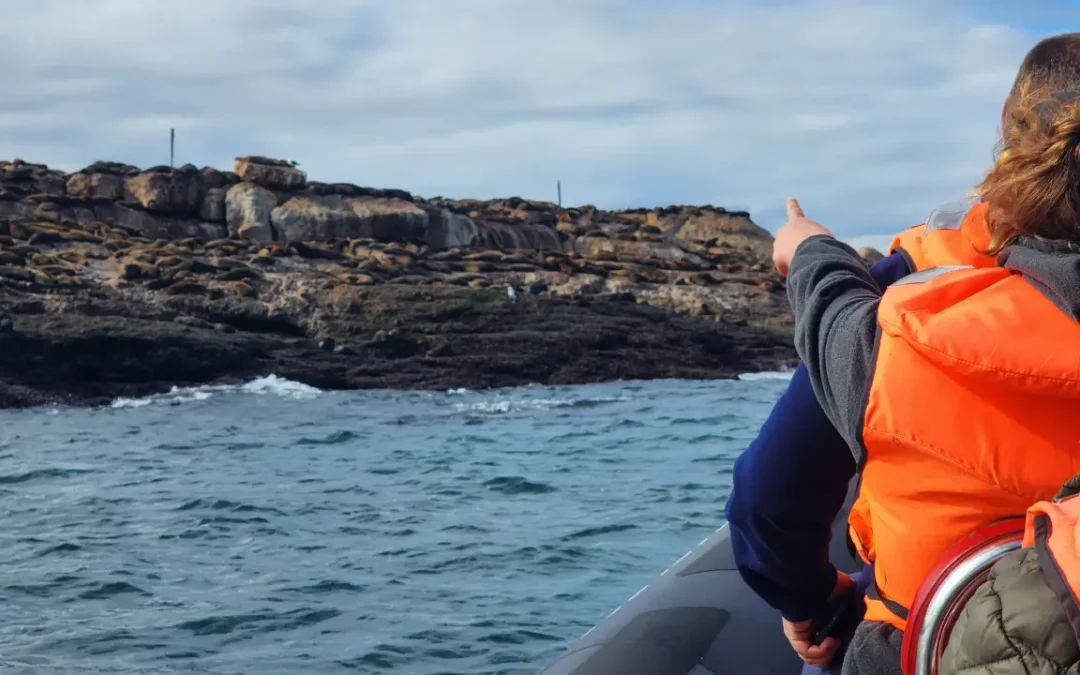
793, 209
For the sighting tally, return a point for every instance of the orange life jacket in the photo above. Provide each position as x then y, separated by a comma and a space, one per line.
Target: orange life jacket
971, 418
954, 234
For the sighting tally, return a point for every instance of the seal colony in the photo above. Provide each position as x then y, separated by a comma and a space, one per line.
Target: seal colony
116, 281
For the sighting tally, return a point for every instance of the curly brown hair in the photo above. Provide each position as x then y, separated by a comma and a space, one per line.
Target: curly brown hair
1033, 188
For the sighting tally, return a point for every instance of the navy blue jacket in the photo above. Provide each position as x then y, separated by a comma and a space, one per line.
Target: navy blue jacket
788, 488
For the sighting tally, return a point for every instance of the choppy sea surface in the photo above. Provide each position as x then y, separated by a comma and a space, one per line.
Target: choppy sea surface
272, 528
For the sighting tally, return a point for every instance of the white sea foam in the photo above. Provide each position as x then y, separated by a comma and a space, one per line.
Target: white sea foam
777, 375
270, 385
500, 405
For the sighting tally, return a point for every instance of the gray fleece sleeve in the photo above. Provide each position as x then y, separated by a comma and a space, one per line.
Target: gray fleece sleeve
835, 300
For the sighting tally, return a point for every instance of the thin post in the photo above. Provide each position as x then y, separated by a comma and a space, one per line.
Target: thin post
172, 147
558, 186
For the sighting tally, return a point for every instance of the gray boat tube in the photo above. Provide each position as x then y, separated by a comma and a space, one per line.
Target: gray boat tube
697, 618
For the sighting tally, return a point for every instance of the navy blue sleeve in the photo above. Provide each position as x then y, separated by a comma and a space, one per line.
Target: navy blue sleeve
788, 487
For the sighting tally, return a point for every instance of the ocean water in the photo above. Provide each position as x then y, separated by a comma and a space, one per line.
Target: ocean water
272, 528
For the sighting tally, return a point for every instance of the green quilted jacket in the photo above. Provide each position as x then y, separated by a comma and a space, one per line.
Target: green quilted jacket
1013, 625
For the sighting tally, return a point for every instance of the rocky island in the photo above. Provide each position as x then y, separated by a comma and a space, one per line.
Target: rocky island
116, 281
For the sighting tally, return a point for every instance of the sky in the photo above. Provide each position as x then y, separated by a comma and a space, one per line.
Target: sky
870, 113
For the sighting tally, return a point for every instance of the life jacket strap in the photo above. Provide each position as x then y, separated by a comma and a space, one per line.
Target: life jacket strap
874, 593
1068, 489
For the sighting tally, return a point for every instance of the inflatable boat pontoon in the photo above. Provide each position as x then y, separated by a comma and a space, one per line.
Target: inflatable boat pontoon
698, 618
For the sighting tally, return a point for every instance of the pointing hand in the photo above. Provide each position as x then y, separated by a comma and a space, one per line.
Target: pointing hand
795, 231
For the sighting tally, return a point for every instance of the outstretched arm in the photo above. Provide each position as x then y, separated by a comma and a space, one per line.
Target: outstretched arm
835, 301
788, 488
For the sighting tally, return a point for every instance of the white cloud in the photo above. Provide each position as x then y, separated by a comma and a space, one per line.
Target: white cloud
870, 113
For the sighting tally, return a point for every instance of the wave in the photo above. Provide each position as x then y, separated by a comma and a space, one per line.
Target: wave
768, 375
270, 385
498, 406
491, 407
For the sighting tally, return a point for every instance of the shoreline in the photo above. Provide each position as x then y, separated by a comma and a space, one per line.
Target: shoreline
272, 385
117, 282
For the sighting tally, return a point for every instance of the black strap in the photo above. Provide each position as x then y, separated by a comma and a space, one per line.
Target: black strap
1070, 488
874, 593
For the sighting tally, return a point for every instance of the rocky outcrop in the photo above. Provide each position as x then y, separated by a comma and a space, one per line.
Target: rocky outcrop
320, 218
96, 186
272, 173
248, 208
116, 281
171, 192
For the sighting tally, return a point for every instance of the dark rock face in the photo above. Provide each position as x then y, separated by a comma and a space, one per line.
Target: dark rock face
120, 282
52, 358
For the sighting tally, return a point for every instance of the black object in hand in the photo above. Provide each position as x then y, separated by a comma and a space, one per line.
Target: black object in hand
838, 618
